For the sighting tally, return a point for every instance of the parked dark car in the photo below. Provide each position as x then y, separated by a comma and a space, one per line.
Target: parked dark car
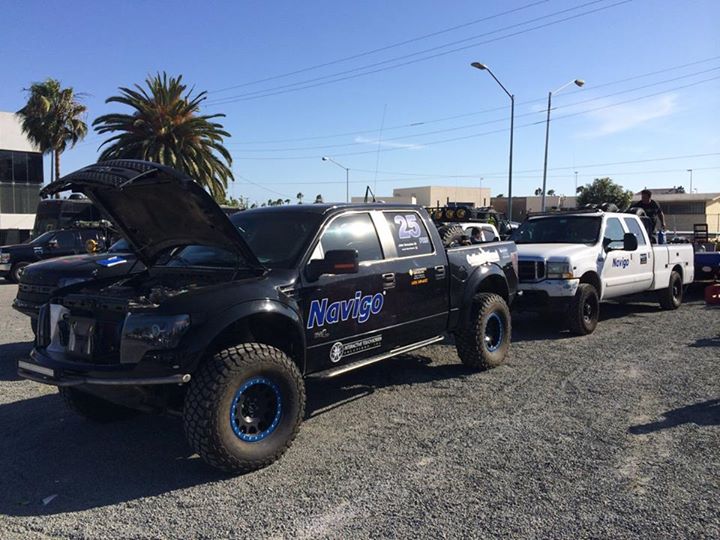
49, 245
40, 281
224, 330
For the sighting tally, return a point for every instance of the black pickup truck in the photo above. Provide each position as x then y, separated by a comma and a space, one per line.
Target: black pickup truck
51, 244
231, 314
40, 280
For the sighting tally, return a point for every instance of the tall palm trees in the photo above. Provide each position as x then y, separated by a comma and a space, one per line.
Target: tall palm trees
52, 118
166, 127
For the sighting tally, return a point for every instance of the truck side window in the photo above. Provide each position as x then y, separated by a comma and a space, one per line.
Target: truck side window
352, 231
65, 239
615, 232
634, 227
409, 233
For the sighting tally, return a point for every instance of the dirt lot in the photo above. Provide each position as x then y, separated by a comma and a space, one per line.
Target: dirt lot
614, 435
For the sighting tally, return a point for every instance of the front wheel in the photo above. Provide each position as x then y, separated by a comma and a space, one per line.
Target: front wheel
16, 271
584, 310
672, 297
244, 407
485, 342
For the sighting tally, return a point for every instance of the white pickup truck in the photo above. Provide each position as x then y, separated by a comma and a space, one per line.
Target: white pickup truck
571, 261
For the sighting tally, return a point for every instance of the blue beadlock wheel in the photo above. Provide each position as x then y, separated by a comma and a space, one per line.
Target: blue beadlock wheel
493, 332
256, 409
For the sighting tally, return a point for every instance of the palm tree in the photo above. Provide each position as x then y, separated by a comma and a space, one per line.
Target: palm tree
52, 118
299, 197
166, 127
551, 192
318, 199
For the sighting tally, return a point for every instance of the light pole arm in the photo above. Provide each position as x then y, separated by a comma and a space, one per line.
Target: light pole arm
498, 81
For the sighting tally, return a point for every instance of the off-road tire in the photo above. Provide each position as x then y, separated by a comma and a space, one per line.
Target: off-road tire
489, 318
584, 310
451, 235
211, 399
15, 271
672, 297
93, 407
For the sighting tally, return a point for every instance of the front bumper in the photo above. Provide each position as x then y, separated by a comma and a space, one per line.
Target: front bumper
553, 294
55, 369
26, 308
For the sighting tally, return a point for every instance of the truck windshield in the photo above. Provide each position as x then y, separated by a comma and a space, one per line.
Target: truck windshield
277, 238
559, 230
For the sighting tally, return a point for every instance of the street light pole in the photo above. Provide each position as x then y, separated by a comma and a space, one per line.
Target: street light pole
690, 171
577, 82
483, 67
347, 176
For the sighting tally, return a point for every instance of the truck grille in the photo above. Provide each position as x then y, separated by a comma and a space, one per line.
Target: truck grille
531, 271
34, 294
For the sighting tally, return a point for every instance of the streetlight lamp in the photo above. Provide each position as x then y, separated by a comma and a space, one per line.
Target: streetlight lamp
347, 176
576, 82
483, 67
690, 171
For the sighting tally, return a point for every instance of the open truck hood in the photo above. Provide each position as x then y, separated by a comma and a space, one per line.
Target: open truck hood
155, 207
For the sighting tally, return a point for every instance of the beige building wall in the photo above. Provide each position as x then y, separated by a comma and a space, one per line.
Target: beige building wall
390, 199
431, 195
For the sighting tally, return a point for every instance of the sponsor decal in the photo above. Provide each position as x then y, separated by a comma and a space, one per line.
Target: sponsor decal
417, 276
340, 350
321, 333
358, 307
482, 257
643, 258
621, 262
410, 235
112, 261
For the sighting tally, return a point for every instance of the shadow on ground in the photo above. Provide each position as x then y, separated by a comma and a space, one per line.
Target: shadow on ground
47, 450
706, 413
9, 355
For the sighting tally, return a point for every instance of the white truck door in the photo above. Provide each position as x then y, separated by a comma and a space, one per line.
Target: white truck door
641, 261
616, 273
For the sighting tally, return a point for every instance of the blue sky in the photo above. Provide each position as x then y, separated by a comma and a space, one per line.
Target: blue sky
424, 116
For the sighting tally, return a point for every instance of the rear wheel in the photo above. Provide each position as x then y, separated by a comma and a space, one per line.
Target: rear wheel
16, 271
584, 310
244, 407
484, 343
94, 408
672, 297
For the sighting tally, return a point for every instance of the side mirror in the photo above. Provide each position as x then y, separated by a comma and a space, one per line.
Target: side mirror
606, 243
337, 261
630, 242
52, 243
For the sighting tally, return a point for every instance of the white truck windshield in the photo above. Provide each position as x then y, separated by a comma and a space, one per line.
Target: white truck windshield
559, 230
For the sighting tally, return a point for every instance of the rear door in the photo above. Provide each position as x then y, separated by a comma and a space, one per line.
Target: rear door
419, 271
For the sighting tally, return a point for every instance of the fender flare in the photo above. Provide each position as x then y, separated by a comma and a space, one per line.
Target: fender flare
215, 324
474, 284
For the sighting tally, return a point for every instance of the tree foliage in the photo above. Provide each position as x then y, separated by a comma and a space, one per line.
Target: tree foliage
52, 118
166, 127
604, 190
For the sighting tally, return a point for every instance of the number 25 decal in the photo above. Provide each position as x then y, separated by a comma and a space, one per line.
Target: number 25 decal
409, 227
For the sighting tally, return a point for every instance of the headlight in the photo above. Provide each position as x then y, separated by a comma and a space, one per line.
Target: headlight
4, 258
66, 282
142, 333
559, 270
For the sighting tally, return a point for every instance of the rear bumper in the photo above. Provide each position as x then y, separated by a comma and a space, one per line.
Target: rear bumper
52, 369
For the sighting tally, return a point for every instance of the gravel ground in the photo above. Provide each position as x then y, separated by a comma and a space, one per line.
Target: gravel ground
613, 435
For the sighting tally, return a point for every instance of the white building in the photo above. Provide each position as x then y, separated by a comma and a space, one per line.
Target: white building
21, 177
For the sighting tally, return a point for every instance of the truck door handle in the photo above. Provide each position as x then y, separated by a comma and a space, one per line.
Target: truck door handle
439, 272
388, 281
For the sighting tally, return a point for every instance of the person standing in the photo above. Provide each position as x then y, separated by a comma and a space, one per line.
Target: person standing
651, 208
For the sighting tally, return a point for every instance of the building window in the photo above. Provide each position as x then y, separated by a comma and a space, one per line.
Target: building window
6, 166
35, 168
20, 167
